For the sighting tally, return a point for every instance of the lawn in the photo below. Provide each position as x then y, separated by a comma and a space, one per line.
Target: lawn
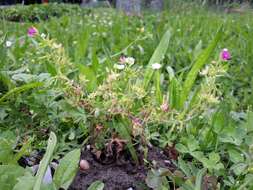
96, 99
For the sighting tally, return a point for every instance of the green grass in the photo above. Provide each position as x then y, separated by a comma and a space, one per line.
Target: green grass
67, 83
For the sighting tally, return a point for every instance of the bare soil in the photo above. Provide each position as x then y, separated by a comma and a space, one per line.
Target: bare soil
119, 172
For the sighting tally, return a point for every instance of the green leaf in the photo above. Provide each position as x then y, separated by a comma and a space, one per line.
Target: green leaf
171, 72
19, 90
174, 93
23, 77
199, 178
159, 97
184, 167
67, 169
23, 151
200, 62
192, 144
7, 141
123, 132
89, 75
96, 185
219, 121
239, 168
212, 162
197, 50
157, 57
156, 179
235, 156
45, 161
95, 62
249, 122
82, 45
51, 68
25, 182
247, 183
187, 185
198, 155
9, 175
182, 148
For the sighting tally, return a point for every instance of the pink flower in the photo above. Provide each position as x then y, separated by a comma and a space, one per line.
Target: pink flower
225, 55
122, 60
165, 107
32, 31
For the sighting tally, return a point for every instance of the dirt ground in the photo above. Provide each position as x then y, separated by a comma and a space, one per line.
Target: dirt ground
119, 173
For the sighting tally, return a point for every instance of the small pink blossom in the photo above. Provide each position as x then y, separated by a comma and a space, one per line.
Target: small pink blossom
225, 55
32, 31
165, 107
136, 121
122, 60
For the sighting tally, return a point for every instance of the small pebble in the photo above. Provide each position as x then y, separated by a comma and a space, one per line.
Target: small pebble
84, 165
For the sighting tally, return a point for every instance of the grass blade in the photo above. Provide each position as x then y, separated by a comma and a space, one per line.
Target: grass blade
45, 161
200, 62
124, 133
157, 57
89, 74
174, 93
159, 97
199, 177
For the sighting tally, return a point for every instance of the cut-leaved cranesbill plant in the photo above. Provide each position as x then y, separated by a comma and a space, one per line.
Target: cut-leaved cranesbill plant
134, 101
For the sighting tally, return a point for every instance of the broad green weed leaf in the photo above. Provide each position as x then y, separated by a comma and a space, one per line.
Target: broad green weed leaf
67, 169
199, 63
192, 144
239, 168
182, 148
198, 155
235, 156
45, 161
219, 121
156, 179
7, 141
157, 57
25, 182
9, 175
212, 162
97, 185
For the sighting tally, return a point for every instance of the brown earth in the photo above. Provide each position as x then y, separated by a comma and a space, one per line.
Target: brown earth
120, 172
